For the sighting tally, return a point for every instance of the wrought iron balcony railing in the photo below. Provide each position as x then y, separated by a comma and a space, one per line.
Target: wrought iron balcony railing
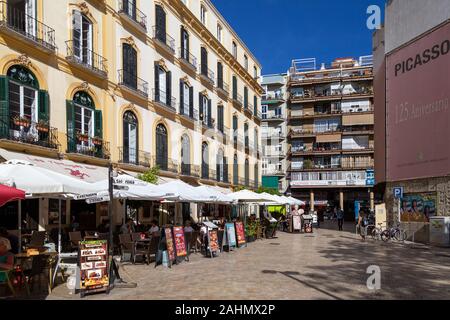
88, 146
237, 98
162, 37
190, 170
206, 72
131, 81
135, 157
187, 111
161, 97
188, 57
129, 9
86, 57
24, 131
223, 86
165, 164
27, 25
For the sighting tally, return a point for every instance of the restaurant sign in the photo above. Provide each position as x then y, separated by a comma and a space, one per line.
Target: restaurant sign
180, 242
93, 264
240, 233
230, 234
170, 244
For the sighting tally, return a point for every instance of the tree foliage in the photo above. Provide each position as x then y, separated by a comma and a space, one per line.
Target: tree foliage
271, 191
151, 176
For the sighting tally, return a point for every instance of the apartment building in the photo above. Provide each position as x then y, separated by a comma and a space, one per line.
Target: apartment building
274, 131
330, 138
135, 83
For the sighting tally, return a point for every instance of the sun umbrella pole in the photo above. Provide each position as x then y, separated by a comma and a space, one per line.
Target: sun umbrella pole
19, 225
59, 226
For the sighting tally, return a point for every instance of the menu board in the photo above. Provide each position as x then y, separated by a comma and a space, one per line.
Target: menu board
93, 263
180, 243
240, 233
213, 241
170, 244
230, 232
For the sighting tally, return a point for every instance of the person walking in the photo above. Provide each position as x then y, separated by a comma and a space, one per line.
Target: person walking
340, 219
362, 224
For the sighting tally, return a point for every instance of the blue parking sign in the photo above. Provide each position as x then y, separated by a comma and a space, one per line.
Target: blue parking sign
398, 193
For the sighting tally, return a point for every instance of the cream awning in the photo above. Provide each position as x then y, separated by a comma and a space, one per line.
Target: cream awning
329, 138
357, 119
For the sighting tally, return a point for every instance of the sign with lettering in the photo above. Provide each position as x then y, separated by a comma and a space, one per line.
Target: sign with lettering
213, 241
230, 234
180, 242
240, 233
93, 264
170, 244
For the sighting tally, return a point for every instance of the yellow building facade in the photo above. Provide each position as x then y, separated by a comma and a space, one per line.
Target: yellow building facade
134, 83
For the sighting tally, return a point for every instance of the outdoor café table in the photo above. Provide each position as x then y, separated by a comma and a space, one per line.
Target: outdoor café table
51, 258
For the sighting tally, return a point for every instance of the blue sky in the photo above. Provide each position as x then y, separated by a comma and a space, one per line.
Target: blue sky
277, 31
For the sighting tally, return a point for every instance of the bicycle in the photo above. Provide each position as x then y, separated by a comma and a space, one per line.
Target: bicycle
394, 233
376, 232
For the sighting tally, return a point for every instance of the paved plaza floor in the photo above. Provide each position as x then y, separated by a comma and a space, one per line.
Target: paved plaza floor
326, 265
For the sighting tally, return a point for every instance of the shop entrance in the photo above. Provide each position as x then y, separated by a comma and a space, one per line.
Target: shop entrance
85, 215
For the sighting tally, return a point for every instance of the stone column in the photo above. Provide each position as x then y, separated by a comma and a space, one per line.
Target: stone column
311, 200
341, 199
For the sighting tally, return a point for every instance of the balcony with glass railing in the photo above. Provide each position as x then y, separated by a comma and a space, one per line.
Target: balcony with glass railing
86, 58
23, 130
328, 178
130, 11
16, 21
207, 74
134, 157
188, 58
162, 38
273, 97
132, 82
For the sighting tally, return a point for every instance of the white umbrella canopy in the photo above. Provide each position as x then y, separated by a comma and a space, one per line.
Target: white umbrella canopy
180, 191
39, 181
129, 187
296, 201
214, 195
249, 196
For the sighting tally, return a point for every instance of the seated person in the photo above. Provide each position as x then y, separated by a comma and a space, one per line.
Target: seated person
188, 227
6, 257
13, 240
154, 228
127, 227
103, 227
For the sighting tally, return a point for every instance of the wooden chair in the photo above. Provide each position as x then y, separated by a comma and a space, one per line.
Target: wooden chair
126, 245
153, 248
38, 267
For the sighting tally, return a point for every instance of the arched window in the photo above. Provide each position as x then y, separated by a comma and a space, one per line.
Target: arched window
220, 166
247, 140
82, 43
162, 153
22, 105
235, 170
130, 138
205, 161
185, 155
247, 173
256, 176
84, 126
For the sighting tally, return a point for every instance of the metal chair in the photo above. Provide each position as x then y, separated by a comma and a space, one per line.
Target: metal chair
126, 245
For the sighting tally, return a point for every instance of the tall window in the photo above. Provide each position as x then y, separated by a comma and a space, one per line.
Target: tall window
186, 99
83, 124
235, 130
220, 119
245, 97
234, 45
235, 170
247, 140
235, 88
220, 164
264, 111
82, 37
246, 62
185, 155
220, 75
22, 16
20, 98
205, 161
204, 61
184, 44
219, 32
162, 153
130, 138
129, 57
203, 14
129, 7
255, 72
256, 140
160, 25
255, 105
163, 85
205, 110
256, 176
247, 173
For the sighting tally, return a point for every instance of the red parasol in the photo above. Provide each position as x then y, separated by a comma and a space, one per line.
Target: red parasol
8, 194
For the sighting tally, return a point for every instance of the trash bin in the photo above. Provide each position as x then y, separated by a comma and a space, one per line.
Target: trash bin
308, 223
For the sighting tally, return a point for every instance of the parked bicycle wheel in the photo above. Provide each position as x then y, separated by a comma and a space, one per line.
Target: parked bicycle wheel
400, 235
386, 236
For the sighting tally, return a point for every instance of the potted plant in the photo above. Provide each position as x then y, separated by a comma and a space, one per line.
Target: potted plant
97, 141
82, 137
21, 121
42, 126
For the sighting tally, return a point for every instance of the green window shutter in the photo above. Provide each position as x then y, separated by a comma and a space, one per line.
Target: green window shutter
98, 124
70, 112
4, 106
43, 106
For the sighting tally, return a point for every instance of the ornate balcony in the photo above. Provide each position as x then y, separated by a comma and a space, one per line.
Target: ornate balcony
188, 59
133, 83
130, 11
163, 39
160, 97
207, 74
165, 164
88, 146
134, 157
86, 58
18, 22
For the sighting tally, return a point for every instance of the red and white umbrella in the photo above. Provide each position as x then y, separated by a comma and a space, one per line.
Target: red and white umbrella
8, 194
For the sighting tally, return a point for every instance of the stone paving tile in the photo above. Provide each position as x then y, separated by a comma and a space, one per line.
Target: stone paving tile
328, 265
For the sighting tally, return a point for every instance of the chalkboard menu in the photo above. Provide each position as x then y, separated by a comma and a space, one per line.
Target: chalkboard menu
240, 233
180, 242
170, 244
93, 264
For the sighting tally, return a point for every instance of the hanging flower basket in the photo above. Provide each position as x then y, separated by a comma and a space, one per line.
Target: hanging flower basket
97, 141
43, 127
